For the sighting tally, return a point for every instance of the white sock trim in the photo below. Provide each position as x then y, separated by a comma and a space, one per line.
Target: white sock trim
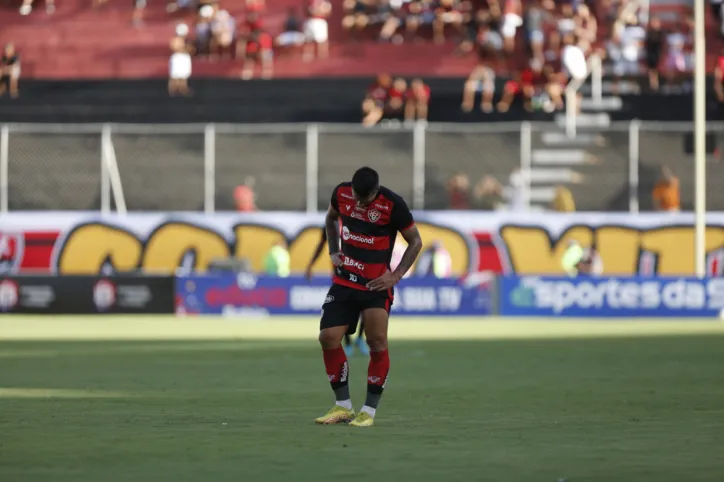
345, 404
368, 410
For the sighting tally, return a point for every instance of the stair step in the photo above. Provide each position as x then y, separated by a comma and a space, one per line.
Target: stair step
561, 138
605, 104
542, 194
552, 175
586, 120
559, 156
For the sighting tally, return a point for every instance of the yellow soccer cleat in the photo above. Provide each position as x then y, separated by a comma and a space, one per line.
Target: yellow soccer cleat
363, 419
336, 415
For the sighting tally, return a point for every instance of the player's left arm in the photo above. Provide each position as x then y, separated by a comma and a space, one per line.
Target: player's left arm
414, 246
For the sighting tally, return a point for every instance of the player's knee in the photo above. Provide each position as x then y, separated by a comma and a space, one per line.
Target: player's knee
329, 340
377, 342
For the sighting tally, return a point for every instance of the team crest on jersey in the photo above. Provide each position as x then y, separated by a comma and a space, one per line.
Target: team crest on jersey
373, 215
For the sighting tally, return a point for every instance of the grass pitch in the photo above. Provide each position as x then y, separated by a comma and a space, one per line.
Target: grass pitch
164, 399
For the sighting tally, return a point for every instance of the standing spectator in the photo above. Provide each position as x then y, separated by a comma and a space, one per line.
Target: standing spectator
666, 192
512, 19
654, 46
567, 20
203, 29
317, 30
10, 71
418, 99
586, 25
244, 196
179, 68
277, 260
632, 43
458, 188
27, 7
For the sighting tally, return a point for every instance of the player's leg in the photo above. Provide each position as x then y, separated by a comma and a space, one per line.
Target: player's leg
360, 342
376, 322
336, 315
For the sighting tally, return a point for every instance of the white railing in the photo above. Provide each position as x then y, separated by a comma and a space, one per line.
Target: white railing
417, 160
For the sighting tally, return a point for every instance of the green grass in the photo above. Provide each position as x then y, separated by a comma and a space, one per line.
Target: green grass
518, 401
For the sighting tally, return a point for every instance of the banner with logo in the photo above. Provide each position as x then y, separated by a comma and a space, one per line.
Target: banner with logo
247, 294
86, 294
510, 243
610, 297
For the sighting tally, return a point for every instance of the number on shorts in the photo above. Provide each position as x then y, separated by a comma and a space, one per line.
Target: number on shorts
353, 278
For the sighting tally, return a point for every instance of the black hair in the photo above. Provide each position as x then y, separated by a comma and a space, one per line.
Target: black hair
365, 181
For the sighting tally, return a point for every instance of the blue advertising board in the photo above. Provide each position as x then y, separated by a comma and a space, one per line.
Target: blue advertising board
611, 296
249, 294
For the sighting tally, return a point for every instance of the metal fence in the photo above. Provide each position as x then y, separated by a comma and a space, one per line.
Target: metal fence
191, 167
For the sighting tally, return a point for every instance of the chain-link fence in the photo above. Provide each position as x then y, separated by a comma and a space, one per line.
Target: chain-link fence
295, 167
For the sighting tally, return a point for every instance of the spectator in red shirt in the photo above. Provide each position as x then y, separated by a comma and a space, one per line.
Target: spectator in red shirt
417, 101
524, 84
374, 102
458, 188
257, 48
395, 105
316, 29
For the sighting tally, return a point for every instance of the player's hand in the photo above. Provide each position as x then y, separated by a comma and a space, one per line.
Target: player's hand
308, 273
337, 259
384, 282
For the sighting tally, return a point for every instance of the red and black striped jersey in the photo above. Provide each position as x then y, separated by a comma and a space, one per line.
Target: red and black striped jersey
368, 234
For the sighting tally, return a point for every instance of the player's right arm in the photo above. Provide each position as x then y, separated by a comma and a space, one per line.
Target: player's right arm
331, 226
317, 252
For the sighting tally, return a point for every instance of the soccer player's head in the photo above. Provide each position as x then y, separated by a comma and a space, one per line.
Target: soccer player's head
365, 184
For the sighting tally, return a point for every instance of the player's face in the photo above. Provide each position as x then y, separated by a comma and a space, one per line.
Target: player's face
364, 200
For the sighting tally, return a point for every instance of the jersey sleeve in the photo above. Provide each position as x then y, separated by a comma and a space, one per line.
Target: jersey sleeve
401, 216
333, 202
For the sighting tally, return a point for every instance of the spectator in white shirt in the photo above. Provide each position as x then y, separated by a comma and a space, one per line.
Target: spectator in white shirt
626, 49
179, 68
316, 29
574, 59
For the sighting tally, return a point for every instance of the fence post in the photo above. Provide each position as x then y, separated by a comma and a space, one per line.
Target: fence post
312, 167
418, 165
633, 165
209, 168
4, 162
526, 135
105, 178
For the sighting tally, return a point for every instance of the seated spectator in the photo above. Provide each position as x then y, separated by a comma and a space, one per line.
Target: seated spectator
512, 19
677, 63
488, 194
356, 15
317, 30
292, 34
446, 12
392, 17
417, 101
421, 12
525, 85
665, 195
373, 105
395, 106
628, 51
223, 31
458, 188
536, 18
567, 20
481, 80
586, 25
554, 89
10, 71
179, 68
257, 48
27, 7
654, 46
552, 53
203, 29
173, 6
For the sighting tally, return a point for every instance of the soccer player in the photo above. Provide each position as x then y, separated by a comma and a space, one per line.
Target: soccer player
348, 345
370, 216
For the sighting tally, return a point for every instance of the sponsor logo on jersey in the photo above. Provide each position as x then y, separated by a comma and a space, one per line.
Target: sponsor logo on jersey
346, 235
354, 263
374, 215
382, 207
347, 196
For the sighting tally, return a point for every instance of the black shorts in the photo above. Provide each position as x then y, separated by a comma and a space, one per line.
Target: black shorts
343, 306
